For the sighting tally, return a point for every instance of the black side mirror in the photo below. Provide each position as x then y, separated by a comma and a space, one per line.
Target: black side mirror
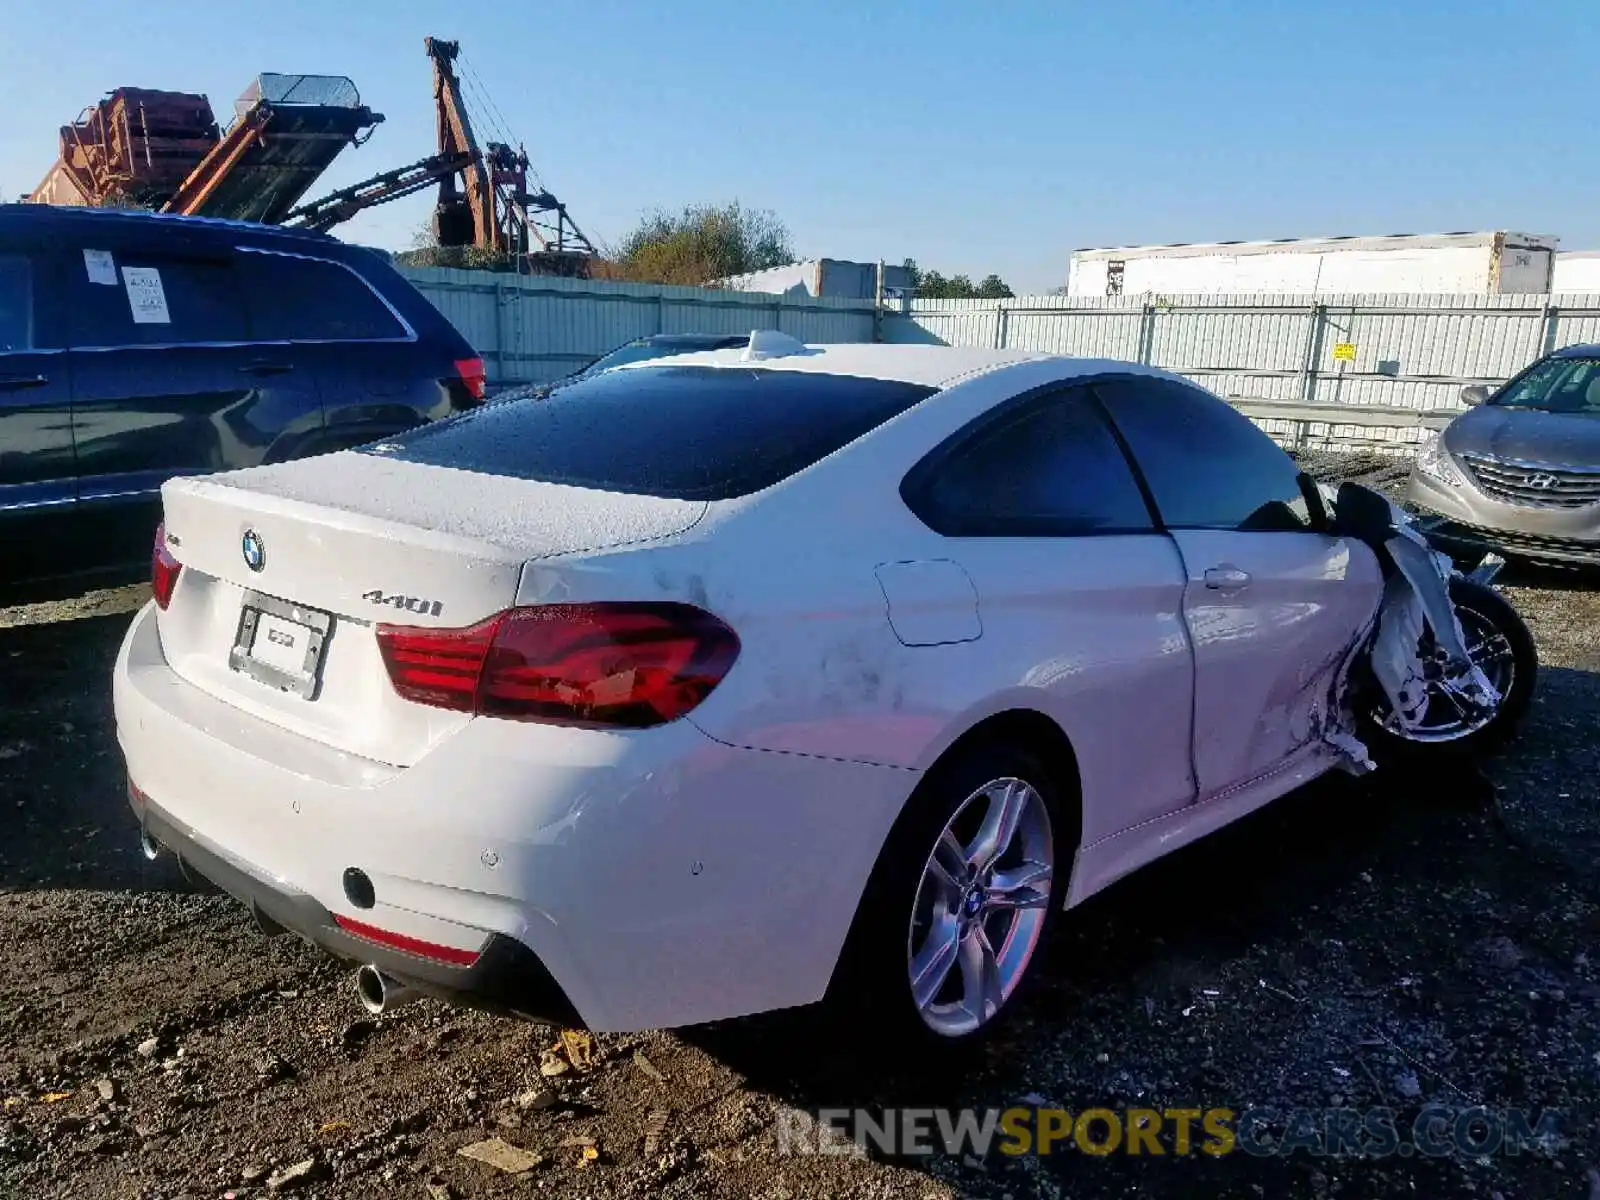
1474, 394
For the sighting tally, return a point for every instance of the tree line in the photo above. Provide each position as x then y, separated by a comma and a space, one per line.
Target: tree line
699, 245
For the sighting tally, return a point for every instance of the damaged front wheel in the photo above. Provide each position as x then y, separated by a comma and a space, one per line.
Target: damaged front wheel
1500, 645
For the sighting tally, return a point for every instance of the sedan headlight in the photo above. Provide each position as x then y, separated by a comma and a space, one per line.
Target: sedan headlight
1433, 461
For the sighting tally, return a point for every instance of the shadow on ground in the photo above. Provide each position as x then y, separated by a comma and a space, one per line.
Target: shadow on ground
1395, 941
64, 817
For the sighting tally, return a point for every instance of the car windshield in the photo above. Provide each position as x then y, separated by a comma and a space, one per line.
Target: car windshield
1557, 385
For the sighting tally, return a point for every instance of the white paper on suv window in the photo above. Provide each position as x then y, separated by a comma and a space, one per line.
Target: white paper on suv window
145, 296
101, 266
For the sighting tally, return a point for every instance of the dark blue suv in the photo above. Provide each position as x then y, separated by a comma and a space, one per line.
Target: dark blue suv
135, 347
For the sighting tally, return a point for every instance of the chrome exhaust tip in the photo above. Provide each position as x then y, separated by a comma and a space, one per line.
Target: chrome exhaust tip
148, 845
380, 993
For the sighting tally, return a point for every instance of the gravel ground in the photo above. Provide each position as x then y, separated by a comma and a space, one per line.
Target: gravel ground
1392, 942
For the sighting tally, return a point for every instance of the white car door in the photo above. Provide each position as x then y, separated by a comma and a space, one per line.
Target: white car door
1080, 598
1271, 604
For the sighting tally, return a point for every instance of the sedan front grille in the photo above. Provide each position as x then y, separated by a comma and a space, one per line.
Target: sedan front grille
1535, 484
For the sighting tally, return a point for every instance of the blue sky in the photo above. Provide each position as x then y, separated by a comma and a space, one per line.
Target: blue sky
974, 136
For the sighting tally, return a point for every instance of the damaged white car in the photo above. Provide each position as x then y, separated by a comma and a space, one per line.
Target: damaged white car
772, 675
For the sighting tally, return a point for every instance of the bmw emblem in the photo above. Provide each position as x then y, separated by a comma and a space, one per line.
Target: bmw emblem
255, 550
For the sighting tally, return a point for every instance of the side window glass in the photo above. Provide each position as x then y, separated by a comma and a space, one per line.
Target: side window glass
1208, 466
1051, 469
155, 300
309, 299
16, 303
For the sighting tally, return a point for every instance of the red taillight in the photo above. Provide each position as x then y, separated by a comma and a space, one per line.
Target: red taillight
410, 945
473, 375
164, 569
616, 664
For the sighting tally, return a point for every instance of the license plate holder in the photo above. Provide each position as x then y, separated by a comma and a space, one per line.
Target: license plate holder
281, 645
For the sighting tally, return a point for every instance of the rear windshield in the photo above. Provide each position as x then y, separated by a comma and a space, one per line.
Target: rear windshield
687, 433
1556, 385
645, 349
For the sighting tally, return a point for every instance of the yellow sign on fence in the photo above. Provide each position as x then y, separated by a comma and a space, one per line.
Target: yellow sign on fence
1344, 352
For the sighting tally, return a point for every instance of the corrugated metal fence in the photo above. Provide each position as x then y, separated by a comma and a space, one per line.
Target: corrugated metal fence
1389, 365
533, 328
1392, 357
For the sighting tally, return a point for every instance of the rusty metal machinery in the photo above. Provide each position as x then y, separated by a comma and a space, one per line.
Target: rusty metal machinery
140, 148
131, 150
488, 203
164, 150
286, 131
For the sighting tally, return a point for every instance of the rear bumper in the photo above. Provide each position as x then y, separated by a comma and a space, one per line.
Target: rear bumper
658, 877
506, 977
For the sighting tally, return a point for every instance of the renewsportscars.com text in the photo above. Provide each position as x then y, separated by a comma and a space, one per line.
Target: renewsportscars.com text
1436, 1131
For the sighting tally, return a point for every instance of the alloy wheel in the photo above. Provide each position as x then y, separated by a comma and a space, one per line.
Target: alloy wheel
980, 906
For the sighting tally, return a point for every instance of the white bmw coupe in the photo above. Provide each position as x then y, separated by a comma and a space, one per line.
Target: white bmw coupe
755, 677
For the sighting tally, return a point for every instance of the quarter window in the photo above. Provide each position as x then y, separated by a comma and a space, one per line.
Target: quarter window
1208, 466
1048, 469
310, 299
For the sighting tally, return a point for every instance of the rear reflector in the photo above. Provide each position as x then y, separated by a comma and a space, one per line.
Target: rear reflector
164, 569
614, 665
473, 375
409, 945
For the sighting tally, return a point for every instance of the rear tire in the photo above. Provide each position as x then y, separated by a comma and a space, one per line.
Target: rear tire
1493, 627
958, 903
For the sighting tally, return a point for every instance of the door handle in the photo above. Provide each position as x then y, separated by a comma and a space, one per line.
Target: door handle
15, 383
267, 368
1227, 579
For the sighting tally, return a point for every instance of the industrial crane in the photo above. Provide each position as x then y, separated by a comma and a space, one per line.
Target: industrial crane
484, 198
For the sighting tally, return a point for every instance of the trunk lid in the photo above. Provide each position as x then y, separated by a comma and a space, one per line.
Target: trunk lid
288, 569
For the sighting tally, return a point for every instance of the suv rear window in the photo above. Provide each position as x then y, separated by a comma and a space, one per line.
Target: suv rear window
686, 433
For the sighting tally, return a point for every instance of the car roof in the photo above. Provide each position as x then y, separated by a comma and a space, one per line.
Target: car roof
1592, 350
44, 218
929, 366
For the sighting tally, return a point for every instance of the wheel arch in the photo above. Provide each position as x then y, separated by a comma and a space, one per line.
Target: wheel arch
1041, 735
1028, 728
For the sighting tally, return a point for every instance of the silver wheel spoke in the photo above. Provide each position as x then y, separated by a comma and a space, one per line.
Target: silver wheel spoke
948, 869
933, 963
980, 975
999, 825
1025, 886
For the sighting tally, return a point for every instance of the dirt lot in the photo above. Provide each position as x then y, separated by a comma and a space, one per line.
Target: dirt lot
1392, 942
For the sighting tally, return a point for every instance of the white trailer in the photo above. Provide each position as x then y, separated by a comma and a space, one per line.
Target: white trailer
1499, 263
1577, 271
823, 277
